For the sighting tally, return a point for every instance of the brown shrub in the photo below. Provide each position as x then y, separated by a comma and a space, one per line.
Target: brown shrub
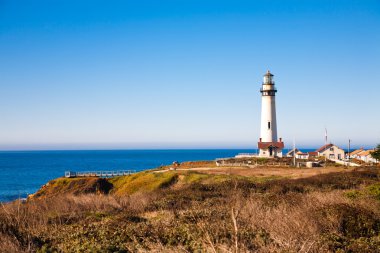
303, 215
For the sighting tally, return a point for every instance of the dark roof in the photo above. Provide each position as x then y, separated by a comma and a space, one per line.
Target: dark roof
268, 73
265, 145
324, 147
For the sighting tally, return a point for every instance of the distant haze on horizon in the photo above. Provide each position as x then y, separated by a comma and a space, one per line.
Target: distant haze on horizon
186, 74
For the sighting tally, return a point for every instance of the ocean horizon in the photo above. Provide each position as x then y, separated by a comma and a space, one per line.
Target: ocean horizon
24, 172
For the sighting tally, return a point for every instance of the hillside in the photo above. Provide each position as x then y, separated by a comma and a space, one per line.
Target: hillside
187, 211
142, 182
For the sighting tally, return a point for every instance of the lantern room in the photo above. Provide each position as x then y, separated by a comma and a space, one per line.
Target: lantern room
268, 78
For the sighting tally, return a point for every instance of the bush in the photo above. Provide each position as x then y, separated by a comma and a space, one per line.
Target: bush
226, 214
374, 190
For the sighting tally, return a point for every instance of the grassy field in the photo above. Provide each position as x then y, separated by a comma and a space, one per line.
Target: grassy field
288, 172
200, 211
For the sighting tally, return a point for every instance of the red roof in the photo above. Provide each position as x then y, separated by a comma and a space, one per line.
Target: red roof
356, 152
313, 153
324, 147
265, 145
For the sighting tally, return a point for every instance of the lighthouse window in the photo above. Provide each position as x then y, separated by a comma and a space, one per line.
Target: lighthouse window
268, 125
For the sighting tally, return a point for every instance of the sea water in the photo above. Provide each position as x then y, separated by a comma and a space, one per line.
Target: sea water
24, 172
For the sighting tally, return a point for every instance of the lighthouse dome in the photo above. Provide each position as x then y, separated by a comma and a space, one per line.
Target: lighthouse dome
268, 73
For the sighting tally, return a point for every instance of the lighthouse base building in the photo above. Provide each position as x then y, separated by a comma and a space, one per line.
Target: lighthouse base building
269, 146
270, 149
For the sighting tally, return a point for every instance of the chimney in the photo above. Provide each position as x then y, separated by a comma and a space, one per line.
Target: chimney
280, 139
261, 139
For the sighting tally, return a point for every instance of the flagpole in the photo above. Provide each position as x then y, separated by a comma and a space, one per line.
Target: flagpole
325, 145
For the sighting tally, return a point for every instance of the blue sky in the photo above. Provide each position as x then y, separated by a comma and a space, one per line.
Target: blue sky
186, 74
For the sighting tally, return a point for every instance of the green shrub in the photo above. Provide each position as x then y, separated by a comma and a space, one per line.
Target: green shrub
353, 194
374, 190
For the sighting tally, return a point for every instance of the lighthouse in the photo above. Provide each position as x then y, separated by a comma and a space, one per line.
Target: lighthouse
269, 145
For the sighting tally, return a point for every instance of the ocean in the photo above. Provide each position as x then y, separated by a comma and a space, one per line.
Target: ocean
24, 172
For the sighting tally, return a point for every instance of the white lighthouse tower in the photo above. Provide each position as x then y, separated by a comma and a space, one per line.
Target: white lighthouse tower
269, 145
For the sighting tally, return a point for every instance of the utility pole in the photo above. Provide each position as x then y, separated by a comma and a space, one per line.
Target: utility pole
349, 146
325, 146
294, 152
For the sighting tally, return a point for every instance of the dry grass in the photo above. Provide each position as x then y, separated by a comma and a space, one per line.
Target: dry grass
270, 171
192, 164
325, 213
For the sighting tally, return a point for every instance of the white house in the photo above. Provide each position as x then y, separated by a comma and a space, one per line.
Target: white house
298, 153
292, 152
365, 156
301, 155
331, 151
355, 153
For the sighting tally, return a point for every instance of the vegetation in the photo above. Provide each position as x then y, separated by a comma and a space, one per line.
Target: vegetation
189, 165
75, 186
376, 154
260, 160
142, 182
192, 212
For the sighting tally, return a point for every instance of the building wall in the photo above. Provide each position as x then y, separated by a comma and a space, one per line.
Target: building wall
336, 153
368, 159
265, 153
303, 156
291, 153
268, 114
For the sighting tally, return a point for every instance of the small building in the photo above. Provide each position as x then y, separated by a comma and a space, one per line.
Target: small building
292, 152
312, 154
271, 149
312, 164
355, 153
301, 155
365, 156
331, 151
297, 153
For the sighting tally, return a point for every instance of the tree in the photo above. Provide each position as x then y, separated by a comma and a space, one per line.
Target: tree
376, 154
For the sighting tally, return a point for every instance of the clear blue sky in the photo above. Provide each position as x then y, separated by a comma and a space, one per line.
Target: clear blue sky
186, 74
